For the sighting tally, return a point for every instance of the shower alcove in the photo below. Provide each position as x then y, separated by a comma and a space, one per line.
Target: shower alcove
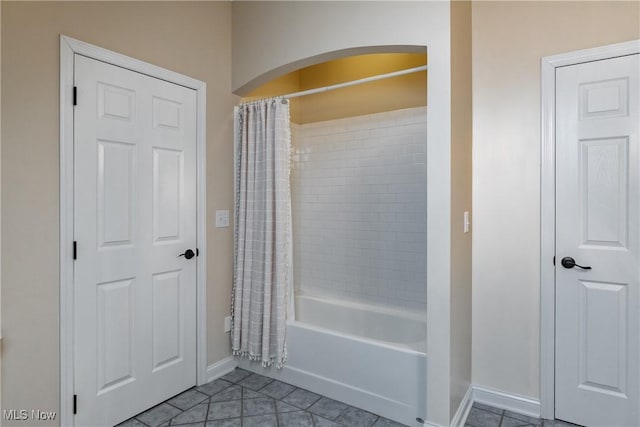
397, 344
358, 173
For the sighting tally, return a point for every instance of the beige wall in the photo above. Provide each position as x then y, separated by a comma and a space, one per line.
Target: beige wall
461, 132
509, 38
189, 38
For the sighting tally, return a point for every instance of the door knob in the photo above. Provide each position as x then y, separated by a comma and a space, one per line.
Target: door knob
568, 262
188, 254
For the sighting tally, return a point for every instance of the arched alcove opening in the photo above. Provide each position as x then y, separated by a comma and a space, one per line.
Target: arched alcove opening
359, 209
292, 67
401, 92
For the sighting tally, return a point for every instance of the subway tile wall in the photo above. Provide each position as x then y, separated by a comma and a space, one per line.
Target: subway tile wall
359, 204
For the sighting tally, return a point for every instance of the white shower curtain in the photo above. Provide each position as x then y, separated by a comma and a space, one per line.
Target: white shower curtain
262, 232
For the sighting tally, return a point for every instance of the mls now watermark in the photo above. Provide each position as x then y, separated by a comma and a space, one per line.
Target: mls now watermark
28, 415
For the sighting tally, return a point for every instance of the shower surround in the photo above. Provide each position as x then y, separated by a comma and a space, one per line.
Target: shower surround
359, 208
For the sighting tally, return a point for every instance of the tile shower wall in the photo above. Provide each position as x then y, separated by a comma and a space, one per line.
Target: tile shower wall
359, 208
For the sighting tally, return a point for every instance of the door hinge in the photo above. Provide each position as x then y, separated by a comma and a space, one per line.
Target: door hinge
75, 404
75, 250
75, 95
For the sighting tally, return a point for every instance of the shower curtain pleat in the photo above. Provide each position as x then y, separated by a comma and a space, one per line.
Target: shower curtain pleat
262, 232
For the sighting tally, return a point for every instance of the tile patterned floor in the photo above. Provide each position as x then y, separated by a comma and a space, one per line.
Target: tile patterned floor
244, 399
488, 416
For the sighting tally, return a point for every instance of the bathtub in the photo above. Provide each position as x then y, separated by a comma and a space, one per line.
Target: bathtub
364, 355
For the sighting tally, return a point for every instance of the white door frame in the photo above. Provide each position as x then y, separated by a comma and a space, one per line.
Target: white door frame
548, 206
68, 48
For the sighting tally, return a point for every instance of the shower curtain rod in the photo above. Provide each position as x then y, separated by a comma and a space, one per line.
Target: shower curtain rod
355, 82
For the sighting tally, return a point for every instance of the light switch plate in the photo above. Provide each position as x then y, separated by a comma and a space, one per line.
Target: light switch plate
227, 324
466, 222
222, 218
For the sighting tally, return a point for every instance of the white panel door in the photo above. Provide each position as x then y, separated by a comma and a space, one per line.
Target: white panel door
598, 226
135, 213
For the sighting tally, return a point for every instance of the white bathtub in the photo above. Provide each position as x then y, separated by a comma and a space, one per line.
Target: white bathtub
367, 356
398, 328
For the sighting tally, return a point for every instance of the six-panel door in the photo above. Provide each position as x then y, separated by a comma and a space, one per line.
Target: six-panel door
135, 213
598, 224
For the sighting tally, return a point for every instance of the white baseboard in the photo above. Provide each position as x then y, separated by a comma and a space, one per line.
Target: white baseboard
462, 413
512, 402
221, 367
